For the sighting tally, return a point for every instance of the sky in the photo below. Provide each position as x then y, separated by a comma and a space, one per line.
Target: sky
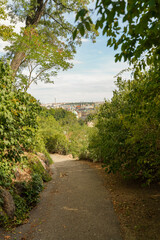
91, 79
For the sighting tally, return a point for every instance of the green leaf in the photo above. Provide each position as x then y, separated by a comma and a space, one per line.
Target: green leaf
82, 13
87, 25
81, 29
74, 34
152, 3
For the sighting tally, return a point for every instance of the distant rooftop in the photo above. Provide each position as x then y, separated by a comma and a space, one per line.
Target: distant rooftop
72, 103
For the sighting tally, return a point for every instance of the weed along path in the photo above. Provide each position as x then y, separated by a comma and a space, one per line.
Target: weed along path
74, 206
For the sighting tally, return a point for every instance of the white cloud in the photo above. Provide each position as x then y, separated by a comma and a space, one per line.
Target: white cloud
85, 40
17, 29
75, 87
81, 84
17, 26
2, 46
75, 61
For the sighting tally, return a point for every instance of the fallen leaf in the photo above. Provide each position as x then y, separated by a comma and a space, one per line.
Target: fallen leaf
7, 237
70, 209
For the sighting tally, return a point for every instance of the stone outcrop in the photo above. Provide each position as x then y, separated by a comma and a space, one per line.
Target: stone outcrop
39, 164
22, 175
8, 205
42, 157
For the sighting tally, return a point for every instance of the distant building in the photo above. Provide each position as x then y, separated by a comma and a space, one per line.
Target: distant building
80, 109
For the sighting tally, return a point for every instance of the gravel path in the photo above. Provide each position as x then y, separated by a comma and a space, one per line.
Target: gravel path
74, 206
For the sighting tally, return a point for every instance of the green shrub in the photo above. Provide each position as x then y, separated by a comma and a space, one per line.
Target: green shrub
62, 133
4, 219
18, 112
32, 190
18, 130
40, 147
37, 168
6, 173
128, 131
57, 144
52, 134
21, 209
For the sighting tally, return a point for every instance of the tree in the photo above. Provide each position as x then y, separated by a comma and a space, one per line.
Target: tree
45, 43
132, 25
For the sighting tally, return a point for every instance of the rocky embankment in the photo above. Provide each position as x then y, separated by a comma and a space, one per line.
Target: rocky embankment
19, 196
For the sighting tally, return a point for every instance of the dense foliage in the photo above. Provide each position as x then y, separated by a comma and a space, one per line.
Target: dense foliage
128, 133
18, 130
131, 27
18, 112
62, 133
126, 137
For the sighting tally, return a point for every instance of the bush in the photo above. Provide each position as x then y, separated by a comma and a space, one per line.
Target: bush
21, 209
128, 131
18, 112
65, 134
57, 144
37, 168
32, 189
18, 130
6, 173
40, 147
52, 134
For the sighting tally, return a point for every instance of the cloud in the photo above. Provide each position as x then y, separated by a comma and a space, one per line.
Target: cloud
17, 29
2, 46
85, 40
75, 87
17, 26
75, 61
92, 80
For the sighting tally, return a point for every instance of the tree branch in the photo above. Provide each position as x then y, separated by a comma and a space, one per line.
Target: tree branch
61, 4
33, 20
58, 22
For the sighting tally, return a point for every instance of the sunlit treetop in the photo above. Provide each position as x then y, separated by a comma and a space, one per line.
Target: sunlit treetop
45, 41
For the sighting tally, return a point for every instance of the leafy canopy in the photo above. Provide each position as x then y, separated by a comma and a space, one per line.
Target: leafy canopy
44, 45
132, 26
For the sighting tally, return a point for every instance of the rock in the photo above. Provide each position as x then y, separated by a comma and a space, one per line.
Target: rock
70, 156
20, 188
8, 203
43, 158
22, 175
43, 163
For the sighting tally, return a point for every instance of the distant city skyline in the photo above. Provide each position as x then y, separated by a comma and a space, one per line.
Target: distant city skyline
66, 103
80, 109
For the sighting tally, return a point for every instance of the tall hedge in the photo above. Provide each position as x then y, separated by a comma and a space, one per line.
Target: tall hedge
128, 129
18, 112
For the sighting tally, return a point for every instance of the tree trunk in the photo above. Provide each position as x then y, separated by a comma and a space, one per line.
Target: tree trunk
19, 57
16, 61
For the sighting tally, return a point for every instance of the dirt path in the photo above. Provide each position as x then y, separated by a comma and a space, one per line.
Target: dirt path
74, 206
